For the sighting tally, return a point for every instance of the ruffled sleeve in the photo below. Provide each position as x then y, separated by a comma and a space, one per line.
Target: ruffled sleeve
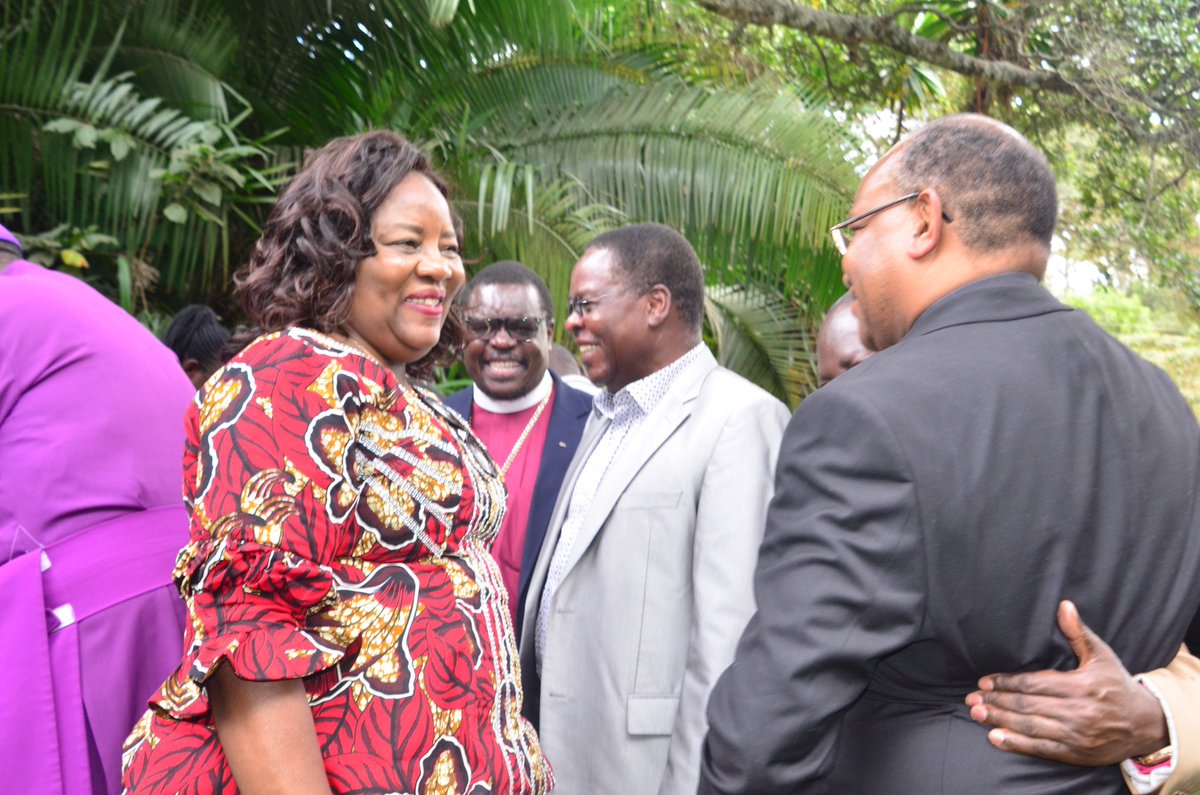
268, 475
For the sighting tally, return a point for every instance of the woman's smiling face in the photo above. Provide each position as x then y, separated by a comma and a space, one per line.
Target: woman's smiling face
402, 294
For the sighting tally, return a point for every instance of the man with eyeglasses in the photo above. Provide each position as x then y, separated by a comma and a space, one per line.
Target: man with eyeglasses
644, 581
933, 504
1094, 715
529, 420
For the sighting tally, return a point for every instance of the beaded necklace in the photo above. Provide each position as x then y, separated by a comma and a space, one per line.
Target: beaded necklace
512, 455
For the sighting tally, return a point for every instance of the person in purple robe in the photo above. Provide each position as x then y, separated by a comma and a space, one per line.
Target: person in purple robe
91, 519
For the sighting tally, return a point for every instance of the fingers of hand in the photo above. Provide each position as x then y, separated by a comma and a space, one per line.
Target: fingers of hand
1057, 729
1032, 716
1020, 744
1043, 683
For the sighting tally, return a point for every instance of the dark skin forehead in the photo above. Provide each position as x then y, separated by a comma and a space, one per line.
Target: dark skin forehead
839, 346
511, 299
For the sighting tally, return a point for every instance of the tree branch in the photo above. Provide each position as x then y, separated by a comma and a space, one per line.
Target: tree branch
853, 29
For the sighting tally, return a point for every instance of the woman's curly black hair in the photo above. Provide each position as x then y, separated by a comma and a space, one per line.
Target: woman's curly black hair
303, 267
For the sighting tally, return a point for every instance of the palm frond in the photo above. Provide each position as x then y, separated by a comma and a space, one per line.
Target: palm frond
761, 166
753, 180
96, 151
441, 12
761, 336
532, 91
180, 50
558, 28
31, 83
106, 142
547, 230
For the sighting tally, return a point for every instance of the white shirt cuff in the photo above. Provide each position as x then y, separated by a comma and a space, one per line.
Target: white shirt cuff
1147, 782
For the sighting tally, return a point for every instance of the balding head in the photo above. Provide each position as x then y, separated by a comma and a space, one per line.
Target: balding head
995, 185
964, 198
839, 346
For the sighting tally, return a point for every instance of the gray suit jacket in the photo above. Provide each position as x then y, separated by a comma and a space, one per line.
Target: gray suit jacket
932, 507
658, 588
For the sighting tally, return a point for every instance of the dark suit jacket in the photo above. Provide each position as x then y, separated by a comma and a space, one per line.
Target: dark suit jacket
568, 415
932, 507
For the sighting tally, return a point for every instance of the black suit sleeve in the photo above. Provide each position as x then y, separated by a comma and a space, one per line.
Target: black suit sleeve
839, 585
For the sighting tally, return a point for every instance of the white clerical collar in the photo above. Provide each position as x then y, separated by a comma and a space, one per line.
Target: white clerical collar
528, 400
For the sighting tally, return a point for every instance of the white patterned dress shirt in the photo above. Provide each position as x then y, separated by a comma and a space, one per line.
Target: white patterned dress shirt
625, 411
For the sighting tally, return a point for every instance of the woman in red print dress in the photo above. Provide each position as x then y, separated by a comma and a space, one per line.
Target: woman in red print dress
348, 629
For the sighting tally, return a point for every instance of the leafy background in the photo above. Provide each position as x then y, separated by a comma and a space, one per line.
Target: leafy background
145, 139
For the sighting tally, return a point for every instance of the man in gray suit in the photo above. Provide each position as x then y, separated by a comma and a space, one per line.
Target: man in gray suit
999, 453
644, 581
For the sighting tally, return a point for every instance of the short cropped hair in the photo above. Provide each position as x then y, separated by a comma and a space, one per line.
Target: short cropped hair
303, 268
996, 186
655, 254
509, 271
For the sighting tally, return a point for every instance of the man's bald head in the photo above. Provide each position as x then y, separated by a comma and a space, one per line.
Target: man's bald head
996, 186
839, 346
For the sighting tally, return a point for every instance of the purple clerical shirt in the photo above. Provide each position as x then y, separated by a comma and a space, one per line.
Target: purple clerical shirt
499, 432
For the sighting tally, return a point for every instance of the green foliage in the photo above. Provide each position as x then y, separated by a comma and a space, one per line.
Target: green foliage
576, 125
1117, 312
168, 124
1119, 123
759, 335
90, 151
67, 246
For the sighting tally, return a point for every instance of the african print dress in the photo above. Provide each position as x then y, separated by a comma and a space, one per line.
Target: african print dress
340, 532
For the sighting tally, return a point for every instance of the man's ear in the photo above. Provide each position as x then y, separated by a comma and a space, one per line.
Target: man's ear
658, 305
930, 224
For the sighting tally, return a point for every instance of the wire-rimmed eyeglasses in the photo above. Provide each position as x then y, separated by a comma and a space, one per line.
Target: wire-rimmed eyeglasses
843, 233
582, 306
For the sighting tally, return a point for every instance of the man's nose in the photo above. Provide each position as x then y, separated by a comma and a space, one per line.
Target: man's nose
504, 339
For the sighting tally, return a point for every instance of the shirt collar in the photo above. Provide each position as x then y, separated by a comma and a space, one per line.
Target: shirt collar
648, 392
530, 398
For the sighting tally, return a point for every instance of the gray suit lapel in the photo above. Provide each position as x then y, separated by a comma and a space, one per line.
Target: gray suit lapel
592, 432
667, 416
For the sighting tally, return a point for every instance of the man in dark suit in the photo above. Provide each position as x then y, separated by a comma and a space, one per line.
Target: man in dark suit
1095, 715
934, 504
529, 420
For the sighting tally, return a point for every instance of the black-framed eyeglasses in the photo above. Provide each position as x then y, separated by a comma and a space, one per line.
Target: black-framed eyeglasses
583, 306
522, 328
843, 234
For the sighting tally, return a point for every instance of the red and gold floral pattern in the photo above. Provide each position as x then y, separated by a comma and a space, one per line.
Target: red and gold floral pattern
340, 533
